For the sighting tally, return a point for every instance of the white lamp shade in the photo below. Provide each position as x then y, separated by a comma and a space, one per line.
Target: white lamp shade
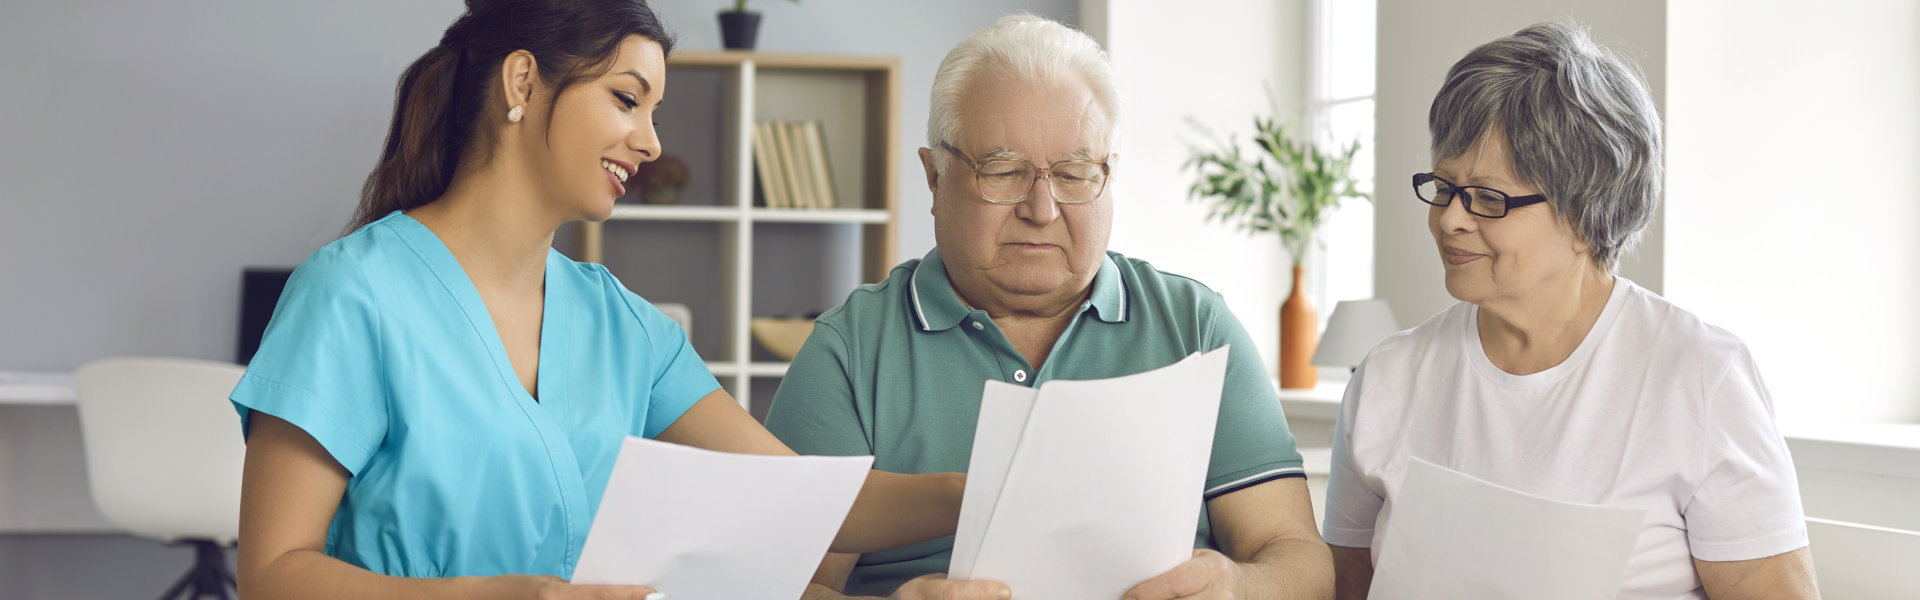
1354, 329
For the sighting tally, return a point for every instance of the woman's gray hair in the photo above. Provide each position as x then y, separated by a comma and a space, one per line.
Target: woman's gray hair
1028, 47
1579, 122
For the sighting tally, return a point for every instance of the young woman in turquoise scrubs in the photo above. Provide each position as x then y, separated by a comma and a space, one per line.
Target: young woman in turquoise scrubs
437, 404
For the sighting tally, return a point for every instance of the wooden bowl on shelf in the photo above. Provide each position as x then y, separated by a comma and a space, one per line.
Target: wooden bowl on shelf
782, 337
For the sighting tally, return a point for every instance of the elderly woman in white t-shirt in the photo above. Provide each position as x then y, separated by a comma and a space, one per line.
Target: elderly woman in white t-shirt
1553, 375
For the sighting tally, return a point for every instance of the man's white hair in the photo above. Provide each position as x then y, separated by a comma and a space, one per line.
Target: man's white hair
1031, 48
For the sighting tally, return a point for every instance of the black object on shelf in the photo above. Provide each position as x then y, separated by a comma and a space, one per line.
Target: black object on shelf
259, 293
738, 29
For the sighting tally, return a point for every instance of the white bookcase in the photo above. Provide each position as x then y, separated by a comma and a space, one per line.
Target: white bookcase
724, 224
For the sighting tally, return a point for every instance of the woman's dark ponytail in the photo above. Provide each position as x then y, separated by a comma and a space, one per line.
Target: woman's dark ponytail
423, 146
436, 109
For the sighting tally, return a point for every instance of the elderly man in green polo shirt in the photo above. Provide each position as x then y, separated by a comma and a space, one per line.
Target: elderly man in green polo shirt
1021, 289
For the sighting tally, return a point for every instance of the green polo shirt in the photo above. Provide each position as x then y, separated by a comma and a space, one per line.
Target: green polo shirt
898, 370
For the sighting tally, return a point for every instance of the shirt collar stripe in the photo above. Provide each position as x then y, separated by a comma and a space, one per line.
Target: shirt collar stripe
1108, 300
913, 283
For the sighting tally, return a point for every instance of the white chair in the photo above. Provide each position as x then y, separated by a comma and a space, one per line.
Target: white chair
1851, 560
164, 456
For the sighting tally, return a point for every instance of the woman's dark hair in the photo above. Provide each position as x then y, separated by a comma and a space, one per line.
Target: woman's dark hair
439, 106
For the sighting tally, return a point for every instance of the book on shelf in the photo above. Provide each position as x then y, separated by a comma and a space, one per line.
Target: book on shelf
773, 189
804, 159
822, 172
790, 161
799, 187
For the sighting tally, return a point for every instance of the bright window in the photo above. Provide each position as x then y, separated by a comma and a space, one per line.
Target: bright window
1340, 111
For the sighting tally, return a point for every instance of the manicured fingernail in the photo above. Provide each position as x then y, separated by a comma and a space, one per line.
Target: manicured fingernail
657, 596
1005, 593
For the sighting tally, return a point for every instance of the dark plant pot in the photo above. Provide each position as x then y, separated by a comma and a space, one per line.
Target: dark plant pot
738, 29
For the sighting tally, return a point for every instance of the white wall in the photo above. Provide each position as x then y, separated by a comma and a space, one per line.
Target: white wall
1794, 169
1418, 41
1209, 60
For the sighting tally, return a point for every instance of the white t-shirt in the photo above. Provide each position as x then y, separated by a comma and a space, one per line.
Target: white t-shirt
1654, 410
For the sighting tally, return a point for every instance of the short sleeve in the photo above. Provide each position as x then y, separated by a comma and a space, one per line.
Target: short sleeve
318, 366
1747, 505
679, 377
1352, 507
1251, 441
814, 412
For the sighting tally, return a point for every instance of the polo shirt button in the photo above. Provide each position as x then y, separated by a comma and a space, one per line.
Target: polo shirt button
1020, 376
977, 325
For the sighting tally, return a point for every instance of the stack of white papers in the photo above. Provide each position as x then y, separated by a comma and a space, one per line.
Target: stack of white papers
1453, 536
1084, 489
702, 525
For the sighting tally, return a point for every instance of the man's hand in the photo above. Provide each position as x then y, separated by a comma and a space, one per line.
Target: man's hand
1208, 575
938, 587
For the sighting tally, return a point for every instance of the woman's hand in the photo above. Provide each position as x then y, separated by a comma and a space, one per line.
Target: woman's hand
938, 587
548, 587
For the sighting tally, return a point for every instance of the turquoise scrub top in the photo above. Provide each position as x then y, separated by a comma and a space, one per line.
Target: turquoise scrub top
383, 351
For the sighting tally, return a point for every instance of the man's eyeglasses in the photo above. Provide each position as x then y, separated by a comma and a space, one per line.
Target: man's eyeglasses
1004, 181
1481, 201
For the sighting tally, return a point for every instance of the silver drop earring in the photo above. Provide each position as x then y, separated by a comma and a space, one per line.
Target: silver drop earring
518, 110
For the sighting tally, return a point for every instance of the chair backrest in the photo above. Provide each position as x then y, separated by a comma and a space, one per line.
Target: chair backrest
164, 448
1852, 560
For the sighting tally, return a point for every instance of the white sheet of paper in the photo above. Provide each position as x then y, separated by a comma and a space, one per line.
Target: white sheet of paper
1003, 416
703, 525
1084, 489
1454, 536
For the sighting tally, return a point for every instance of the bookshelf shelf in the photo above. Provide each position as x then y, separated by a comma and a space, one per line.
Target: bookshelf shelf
704, 253
830, 215
674, 213
752, 369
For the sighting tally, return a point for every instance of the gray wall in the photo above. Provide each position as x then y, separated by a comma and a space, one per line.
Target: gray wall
159, 147
151, 150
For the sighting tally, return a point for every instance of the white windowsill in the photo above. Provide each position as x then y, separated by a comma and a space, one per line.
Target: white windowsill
1887, 449
1321, 403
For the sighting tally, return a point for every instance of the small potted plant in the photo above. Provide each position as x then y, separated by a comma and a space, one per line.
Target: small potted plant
1288, 188
659, 181
739, 27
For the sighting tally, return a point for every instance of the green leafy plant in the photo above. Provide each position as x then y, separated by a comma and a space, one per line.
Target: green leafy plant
740, 6
1287, 188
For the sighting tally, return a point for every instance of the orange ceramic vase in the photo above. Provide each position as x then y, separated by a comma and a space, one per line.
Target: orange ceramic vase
1299, 333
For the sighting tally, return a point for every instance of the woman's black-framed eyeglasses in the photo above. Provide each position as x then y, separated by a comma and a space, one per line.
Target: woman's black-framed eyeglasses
1481, 201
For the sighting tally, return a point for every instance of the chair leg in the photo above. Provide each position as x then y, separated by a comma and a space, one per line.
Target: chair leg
226, 577
208, 576
210, 562
179, 586
222, 578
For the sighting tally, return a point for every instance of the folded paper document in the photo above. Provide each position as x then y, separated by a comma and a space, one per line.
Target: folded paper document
1084, 489
700, 525
1453, 536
